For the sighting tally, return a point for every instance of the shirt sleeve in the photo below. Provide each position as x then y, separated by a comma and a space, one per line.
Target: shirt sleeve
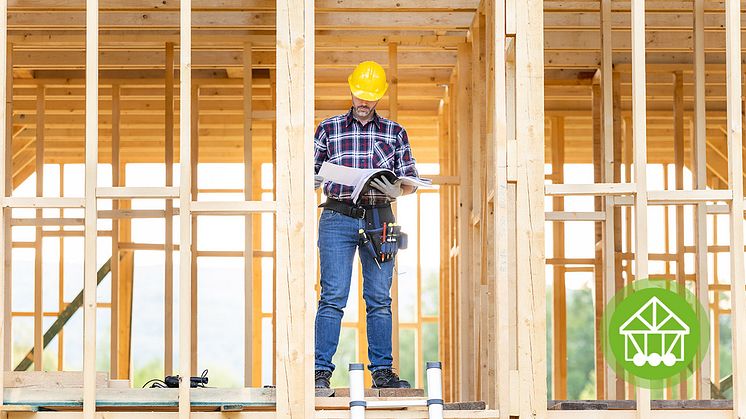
319, 154
404, 164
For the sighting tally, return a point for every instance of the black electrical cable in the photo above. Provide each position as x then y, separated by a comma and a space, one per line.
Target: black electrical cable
172, 381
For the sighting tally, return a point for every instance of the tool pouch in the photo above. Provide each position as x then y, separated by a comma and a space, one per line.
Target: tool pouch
385, 250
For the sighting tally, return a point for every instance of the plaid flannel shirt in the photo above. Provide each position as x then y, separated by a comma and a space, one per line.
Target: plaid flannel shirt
381, 143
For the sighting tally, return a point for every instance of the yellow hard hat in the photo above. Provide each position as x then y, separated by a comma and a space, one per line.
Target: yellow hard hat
368, 81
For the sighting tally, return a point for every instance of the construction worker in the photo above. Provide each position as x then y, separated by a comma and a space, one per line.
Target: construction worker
361, 139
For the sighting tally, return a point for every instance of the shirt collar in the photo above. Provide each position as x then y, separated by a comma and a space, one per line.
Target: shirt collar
349, 118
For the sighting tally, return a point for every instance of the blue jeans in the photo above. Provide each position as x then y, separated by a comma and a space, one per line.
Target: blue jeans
338, 240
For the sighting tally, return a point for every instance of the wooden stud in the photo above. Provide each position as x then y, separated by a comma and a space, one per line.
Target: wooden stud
38, 280
5, 349
248, 221
531, 309
168, 278
640, 161
466, 315
126, 283
296, 213
61, 287
194, 163
559, 300
678, 145
91, 162
735, 183
6, 212
115, 182
616, 382
394, 115
185, 201
699, 159
599, 243
502, 292
609, 93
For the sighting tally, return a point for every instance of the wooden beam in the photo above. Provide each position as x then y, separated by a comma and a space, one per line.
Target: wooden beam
678, 147
185, 202
168, 286
559, 297
466, 342
115, 285
394, 115
38, 280
531, 307
194, 164
5, 166
598, 240
608, 130
296, 209
699, 162
735, 183
640, 163
7, 212
500, 222
91, 162
248, 179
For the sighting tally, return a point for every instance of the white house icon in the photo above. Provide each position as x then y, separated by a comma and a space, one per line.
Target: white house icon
654, 334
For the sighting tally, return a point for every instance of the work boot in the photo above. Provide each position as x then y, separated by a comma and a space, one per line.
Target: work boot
322, 378
387, 378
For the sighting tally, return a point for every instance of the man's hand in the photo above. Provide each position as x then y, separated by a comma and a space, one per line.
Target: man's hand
317, 181
392, 190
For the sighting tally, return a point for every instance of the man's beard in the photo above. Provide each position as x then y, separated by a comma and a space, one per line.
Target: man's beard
362, 111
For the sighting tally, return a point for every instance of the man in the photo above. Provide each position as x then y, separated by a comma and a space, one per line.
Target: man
360, 139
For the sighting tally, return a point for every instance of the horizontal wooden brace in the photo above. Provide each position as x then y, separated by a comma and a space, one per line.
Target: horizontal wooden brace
41, 202
232, 207
594, 189
688, 197
129, 192
575, 216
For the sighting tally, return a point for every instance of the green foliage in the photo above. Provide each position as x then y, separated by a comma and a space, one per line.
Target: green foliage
580, 342
346, 354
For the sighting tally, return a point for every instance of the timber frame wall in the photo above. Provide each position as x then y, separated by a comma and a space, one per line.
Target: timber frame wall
491, 141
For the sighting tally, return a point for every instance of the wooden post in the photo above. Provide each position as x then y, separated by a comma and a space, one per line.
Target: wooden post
185, 202
194, 162
91, 162
394, 116
6, 212
559, 307
296, 212
168, 315
115, 181
735, 181
248, 219
609, 132
639, 136
678, 147
699, 159
466, 315
38, 282
599, 270
126, 283
615, 382
531, 309
502, 291
5, 150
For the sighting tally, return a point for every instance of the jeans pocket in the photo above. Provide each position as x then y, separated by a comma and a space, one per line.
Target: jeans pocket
329, 214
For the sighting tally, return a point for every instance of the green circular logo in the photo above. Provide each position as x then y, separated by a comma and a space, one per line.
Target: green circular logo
655, 332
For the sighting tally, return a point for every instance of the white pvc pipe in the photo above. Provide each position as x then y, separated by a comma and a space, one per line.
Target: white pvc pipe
357, 392
434, 390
